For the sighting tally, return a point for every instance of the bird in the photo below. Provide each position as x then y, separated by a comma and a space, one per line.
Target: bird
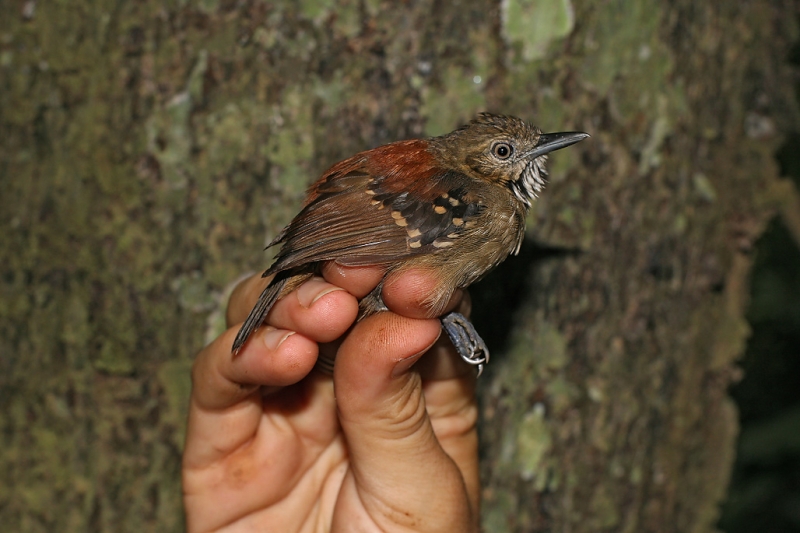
454, 204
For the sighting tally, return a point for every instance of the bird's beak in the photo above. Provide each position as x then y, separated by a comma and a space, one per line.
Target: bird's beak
550, 142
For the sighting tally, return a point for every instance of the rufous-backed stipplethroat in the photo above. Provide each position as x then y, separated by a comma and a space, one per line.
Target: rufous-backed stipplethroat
453, 204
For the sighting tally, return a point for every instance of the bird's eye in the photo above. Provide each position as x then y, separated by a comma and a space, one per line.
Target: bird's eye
502, 150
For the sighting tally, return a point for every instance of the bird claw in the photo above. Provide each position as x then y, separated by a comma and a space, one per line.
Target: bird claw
466, 340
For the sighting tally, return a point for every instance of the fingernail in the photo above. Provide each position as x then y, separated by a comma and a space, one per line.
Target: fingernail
273, 337
402, 366
314, 289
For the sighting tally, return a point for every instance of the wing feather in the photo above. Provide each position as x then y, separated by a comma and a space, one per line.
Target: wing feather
360, 213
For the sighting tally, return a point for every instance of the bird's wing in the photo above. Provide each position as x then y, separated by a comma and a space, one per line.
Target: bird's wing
365, 211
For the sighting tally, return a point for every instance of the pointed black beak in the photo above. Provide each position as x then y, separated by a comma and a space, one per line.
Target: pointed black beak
550, 142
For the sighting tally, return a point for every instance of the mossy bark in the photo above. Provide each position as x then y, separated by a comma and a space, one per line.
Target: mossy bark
149, 149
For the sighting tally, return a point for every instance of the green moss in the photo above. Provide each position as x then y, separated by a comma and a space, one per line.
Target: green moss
175, 379
348, 18
315, 9
193, 293
535, 24
227, 137
497, 516
543, 348
459, 91
169, 138
113, 359
458, 99
703, 187
629, 29
291, 146
661, 127
604, 509
533, 443
209, 6
332, 92
194, 85
77, 328
265, 37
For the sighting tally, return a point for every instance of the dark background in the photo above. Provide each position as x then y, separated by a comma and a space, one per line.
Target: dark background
765, 491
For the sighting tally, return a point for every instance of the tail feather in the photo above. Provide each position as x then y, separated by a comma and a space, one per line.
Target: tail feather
262, 308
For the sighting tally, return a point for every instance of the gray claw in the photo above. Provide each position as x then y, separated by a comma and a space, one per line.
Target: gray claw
468, 343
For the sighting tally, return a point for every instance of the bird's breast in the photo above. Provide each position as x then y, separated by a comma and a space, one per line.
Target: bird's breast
483, 246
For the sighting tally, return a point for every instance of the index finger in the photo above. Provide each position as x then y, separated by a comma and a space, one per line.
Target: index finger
273, 358
358, 281
225, 389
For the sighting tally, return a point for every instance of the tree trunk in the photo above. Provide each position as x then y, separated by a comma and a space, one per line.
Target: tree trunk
149, 149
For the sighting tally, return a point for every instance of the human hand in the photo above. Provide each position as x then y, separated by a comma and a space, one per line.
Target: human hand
273, 445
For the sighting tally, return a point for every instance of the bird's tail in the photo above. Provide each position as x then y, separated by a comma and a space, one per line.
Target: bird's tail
283, 283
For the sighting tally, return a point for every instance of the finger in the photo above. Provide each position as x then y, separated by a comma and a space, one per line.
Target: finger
393, 447
317, 309
274, 358
234, 436
225, 407
358, 281
448, 384
403, 294
406, 293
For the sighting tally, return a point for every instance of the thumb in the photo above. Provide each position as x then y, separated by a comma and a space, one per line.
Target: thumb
399, 471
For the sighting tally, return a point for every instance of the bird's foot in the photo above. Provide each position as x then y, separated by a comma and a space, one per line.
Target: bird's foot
468, 343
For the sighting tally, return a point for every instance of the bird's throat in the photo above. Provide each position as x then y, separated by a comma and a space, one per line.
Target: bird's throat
531, 182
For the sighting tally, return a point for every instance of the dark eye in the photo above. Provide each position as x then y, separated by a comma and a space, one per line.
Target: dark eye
502, 150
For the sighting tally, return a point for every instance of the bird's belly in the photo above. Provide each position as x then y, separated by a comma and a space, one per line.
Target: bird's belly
481, 251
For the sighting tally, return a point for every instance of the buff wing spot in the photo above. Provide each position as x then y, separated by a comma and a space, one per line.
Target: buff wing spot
434, 221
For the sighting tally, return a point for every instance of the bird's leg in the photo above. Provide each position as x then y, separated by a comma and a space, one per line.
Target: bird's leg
468, 343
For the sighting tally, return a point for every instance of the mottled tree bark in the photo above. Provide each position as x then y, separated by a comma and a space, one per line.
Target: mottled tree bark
149, 149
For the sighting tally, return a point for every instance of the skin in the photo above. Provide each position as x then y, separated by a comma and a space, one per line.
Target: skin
388, 444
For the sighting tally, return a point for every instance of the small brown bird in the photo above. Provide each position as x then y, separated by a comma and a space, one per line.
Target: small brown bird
454, 204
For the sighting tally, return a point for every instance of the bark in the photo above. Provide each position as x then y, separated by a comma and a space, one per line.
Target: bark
149, 149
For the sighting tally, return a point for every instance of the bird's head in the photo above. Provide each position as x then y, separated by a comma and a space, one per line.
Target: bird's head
504, 150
